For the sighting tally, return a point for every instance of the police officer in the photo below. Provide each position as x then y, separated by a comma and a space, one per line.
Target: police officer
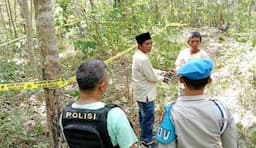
198, 120
91, 123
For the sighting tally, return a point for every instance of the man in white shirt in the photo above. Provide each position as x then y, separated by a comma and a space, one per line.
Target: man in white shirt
194, 41
145, 79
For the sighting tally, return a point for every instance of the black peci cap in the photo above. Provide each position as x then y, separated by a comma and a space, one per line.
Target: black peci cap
142, 38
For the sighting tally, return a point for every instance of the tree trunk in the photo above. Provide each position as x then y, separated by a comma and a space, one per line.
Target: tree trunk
96, 25
206, 4
20, 2
156, 11
51, 67
250, 16
235, 11
2, 20
117, 3
180, 9
172, 11
197, 19
22, 12
8, 14
28, 26
15, 12
11, 18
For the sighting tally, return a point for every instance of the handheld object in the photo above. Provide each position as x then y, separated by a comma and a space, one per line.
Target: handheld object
169, 75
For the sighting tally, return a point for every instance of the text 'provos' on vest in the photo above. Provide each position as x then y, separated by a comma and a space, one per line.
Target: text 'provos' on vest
78, 115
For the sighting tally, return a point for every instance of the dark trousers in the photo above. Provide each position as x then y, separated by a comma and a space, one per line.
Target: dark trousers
146, 119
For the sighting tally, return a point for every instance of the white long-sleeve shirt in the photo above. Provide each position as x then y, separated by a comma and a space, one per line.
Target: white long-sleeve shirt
185, 55
144, 77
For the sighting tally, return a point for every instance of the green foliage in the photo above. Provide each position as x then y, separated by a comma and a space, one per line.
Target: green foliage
166, 55
8, 70
240, 37
19, 126
252, 133
87, 47
112, 26
253, 70
253, 42
247, 136
108, 27
12, 125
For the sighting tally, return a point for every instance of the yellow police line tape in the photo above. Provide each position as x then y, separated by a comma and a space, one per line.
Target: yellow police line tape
59, 83
52, 84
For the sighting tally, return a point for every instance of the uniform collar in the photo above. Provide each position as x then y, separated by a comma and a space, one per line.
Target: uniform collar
90, 105
191, 98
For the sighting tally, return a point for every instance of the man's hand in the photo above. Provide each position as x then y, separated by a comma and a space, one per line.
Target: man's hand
163, 74
173, 70
169, 75
166, 80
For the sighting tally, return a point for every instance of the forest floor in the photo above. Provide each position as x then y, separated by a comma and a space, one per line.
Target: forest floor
233, 75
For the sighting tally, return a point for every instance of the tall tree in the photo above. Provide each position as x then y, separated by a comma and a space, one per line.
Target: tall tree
2, 20
51, 67
250, 14
235, 11
26, 6
11, 22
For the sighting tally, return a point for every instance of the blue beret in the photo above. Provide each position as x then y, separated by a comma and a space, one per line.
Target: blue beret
196, 69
